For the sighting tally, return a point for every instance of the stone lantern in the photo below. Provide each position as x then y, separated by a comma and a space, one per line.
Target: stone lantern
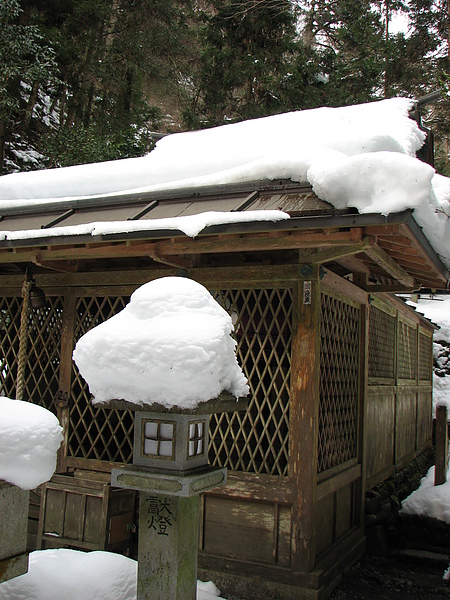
13, 531
170, 469
167, 354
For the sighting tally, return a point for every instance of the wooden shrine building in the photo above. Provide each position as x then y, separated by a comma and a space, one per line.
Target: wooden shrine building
340, 369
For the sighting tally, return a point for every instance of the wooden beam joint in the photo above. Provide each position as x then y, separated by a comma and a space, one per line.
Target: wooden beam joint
388, 264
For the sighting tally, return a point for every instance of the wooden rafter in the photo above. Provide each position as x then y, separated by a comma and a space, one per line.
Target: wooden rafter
323, 255
381, 258
60, 266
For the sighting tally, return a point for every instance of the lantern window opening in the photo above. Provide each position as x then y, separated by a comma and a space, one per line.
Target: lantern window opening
158, 439
196, 439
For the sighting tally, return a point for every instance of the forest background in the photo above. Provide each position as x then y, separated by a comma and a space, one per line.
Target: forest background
92, 80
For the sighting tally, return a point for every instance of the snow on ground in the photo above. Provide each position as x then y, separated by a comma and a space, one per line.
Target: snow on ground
430, 500
359, 156
437, 308
29, 439
170, 345
74, 575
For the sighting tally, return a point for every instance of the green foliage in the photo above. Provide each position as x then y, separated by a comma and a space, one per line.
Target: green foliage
25, 59
88, 80
246, 53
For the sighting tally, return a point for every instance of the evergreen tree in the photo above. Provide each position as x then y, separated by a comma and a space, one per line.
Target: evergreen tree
25, 61
247, 51
88, 80
348, 37
116, 58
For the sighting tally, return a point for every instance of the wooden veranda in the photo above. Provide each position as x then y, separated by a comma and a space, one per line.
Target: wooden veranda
339, 368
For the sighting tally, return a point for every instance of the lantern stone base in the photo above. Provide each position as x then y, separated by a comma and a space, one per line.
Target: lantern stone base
13, 531
171, 483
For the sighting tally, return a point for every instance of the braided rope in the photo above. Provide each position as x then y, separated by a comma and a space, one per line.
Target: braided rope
23, 337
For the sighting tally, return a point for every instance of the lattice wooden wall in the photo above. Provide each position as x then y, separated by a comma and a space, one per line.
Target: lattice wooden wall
257, 440
339, 382
425, 357
97, 433
10, 309
407, 351
396, 349
43, 348
382, 338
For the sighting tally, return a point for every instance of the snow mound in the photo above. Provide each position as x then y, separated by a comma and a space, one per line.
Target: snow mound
429, 500
170, 345
30, 436
75, 575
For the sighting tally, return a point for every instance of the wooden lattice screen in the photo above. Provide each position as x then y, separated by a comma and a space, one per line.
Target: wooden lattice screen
97, 433
257, 440
407, 351
9, 344
43, 350
339, 383
253, 441
382, 336
425, 357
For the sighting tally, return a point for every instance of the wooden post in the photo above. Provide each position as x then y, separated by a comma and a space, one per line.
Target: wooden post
304, 420
65, 374
440, 472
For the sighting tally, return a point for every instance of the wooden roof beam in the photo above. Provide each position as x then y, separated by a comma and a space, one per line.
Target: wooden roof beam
288, 240
334, 253
172, 261
392, 289
381, 258
207, 244
58, 265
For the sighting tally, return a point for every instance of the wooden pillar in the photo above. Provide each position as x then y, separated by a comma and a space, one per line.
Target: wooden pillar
363, 395
65, 374
440, 470
304, 417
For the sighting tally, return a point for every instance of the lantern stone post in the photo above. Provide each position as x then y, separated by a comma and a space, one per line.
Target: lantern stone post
170, 469
13, 531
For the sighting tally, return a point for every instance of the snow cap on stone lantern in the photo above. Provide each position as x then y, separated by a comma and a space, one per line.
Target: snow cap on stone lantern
169, 356
171, 346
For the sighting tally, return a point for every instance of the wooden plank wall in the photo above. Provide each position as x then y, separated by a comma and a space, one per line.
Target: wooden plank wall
398, 403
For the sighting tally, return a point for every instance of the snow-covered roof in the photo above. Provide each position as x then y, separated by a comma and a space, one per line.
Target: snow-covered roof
359, 161
283, 146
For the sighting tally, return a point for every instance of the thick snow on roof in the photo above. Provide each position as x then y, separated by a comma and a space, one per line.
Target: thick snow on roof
30, 437
271, 147
359, 156
170, 345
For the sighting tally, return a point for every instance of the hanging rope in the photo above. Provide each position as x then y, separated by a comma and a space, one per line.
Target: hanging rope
23, 336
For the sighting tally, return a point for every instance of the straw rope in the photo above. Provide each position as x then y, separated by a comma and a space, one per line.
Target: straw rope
23, 337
